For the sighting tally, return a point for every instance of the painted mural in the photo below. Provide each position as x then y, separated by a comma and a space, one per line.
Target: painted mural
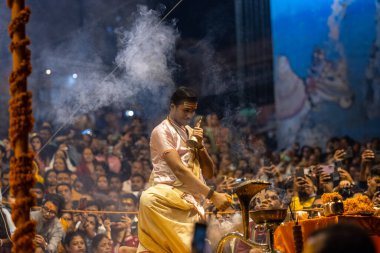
327, 69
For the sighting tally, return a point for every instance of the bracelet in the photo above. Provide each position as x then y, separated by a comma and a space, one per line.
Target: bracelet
210, 193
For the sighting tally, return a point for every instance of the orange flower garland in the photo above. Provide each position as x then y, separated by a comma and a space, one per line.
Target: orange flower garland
331, 197
358, 204
21, 124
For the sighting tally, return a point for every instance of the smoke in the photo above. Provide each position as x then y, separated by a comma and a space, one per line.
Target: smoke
144, 65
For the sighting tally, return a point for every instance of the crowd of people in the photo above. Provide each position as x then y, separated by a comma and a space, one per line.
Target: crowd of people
90, 176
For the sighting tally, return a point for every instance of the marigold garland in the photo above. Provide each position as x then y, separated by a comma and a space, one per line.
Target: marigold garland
358, 204
331, 197
21, 124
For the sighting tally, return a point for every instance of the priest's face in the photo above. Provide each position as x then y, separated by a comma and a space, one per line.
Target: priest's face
183, 113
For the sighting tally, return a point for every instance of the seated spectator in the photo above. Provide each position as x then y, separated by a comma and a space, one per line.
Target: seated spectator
49, 231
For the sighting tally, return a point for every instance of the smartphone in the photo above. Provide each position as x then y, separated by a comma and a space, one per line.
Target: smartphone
199, 238
82, 204
115, 217
335, 178
327, 169
300, 172
349, 153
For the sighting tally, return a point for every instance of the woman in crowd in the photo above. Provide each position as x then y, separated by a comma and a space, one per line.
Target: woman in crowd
75, 243
101, 244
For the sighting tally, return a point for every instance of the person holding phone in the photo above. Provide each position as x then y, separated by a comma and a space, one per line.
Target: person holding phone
304, 192
171, 206
49, 231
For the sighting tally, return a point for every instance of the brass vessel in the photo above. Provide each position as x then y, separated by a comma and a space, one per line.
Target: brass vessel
270, 218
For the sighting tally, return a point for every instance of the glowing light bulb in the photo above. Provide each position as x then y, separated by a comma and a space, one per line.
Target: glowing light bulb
75, 76
48, 71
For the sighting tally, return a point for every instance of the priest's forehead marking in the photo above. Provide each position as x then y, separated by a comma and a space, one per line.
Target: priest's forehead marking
190, 105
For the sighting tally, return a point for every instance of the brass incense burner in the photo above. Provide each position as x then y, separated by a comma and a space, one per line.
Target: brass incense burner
269, 218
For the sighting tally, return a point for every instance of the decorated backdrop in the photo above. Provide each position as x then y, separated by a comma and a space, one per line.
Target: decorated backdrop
326, 57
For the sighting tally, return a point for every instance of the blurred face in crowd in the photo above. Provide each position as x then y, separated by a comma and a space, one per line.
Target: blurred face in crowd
105, 246
77, 245
99, 170
5, 179
88, 156
128, 205
68, 217
63, 177
267, 199
102, 183
137, 167
114, 196
90, 224
65, 192
60, 154
52, 178
373, 182
115, 184
38, 193
45, 134
59, 164
376, 199
49, 210
137, 183
183, 113
78, 186
36, 144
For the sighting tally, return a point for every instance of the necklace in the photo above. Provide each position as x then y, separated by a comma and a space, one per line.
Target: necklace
175, 128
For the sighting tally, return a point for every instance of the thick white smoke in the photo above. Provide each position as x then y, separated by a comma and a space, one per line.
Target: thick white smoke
144, 64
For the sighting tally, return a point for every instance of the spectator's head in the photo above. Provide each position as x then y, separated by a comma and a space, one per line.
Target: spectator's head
38, 190
52, 206
373, 180
68, 218
45, 133
114, 195
137, 167
64, 190
64, 177
91, 224
50, 178
267, 199
129, 202
93, 205
88, 155
183, 105
137, 182
101, 169
5, 177
74, 242
115, 182
339, 238
102, 183
36, 142
101, 244
60, 164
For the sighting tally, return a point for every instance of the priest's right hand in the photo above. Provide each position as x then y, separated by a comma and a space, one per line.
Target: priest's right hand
221, 200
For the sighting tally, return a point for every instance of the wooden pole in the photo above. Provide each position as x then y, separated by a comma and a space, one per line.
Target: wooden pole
21, 124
